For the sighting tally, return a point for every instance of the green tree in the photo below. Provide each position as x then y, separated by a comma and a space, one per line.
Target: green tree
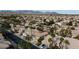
5, 25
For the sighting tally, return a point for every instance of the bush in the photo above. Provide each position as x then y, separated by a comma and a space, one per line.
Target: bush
49, 40
5, 25
28, 38
66, 42
49, 23
53, 47
38, 43
61, 39
70, 23
40, 39
66, 32
72, 28
77, 37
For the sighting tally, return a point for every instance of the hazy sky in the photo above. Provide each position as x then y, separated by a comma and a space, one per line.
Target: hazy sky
66, 11
58, 11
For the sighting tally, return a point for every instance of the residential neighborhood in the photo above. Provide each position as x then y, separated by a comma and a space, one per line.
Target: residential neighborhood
45, 31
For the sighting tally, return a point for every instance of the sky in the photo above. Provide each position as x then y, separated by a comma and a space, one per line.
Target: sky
62, 11
65, 11
58, 11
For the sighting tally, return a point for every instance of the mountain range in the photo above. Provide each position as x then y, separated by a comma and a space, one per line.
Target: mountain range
28, 12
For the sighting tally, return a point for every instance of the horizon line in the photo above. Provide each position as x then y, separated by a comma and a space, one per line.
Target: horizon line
57, 11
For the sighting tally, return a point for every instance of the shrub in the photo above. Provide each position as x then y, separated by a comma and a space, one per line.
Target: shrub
49, 40
66, 42
38, 43
77, 37
40, 39
53, 47
72, 28
70, 23
61, 39
66, 32
5, 25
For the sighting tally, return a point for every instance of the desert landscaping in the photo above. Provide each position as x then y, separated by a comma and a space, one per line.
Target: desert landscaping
45, 31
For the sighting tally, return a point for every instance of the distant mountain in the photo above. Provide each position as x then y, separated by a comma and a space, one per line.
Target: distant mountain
34, 12
27, 12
